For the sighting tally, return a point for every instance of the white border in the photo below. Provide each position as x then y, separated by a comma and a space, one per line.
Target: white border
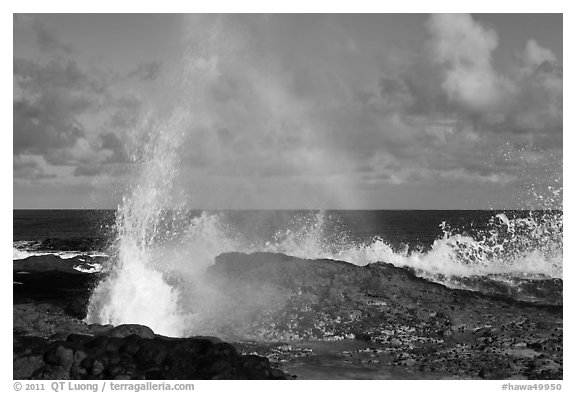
357, 6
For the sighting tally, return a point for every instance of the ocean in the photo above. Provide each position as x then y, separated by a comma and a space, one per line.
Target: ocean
516, 253
91, 230
71, 232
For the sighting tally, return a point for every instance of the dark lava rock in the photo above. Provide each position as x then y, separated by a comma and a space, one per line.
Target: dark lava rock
362, 336
50, 279
27, 365
406, 321
135, 357
130, 329
292, 298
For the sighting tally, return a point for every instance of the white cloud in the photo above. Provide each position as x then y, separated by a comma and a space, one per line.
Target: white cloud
33, 167
465, 48
534, 54
526, 99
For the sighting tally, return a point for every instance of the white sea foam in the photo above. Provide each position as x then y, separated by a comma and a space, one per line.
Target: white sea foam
93, 268
526, 247
18, 254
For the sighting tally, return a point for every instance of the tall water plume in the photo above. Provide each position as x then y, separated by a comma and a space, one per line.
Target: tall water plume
135, 290
150, 220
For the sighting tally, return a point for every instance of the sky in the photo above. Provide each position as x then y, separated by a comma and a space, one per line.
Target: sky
342, 111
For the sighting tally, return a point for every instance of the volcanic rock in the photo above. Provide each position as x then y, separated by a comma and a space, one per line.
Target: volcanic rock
406, 321
135, 357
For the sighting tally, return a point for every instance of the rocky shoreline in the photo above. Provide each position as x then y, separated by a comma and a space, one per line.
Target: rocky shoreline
50, 340
288, 317
406, 325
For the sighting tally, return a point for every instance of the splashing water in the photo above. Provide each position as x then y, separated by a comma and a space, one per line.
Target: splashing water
528, 247
140, 284
136, 290
515, 247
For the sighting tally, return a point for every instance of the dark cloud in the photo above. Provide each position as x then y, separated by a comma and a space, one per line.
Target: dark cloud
87, 170
30, 167
51, 98
146, 71
51, 101
423, 79
538, 105
395, 93
127, 110
35, 77
37, 129
47, 40
111, 142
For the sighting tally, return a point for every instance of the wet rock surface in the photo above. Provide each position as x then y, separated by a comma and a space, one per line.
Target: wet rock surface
398, 321
51, 280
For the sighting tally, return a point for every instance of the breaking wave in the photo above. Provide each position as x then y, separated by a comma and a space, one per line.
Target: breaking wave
22, 252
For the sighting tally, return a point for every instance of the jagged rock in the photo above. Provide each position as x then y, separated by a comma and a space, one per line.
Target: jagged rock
416, 323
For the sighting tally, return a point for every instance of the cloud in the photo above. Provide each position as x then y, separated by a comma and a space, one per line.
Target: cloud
31, 167
34, 77
87, 170
442, 111
146, 71
47, 40
465, 48
52, 100
302, 100
525, 99
48, 110
51, 96
68, 115
538, 104
534, 55
395, 93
